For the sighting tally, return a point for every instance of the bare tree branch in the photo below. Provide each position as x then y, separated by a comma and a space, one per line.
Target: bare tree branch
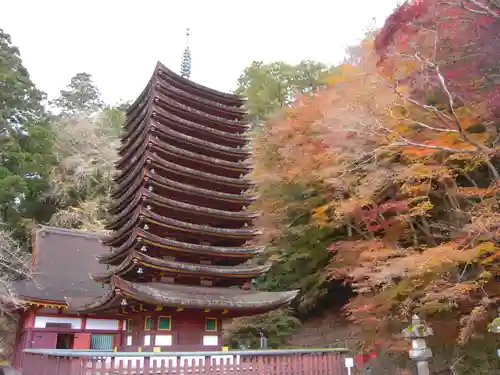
431, 127
484, 151
14, 264
82, 182
407, 142
416, 103
486, 10
484, 7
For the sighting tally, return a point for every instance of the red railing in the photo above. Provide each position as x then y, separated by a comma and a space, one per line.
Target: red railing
262, 362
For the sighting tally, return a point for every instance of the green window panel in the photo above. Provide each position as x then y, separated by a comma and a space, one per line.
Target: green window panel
165, 323
147, 323
211, 324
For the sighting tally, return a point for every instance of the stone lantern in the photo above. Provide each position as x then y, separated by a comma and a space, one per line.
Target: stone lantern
263, 341
417, 332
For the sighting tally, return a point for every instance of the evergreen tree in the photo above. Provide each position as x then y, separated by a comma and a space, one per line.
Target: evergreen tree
81, 96
25, 144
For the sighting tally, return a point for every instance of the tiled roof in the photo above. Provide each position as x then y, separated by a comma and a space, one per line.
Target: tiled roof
187, 296
139, 236
136, 258
63, 259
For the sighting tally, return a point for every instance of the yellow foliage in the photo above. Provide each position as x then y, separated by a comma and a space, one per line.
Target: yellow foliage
401, 128
467, 117
348, 69
343, 74
416, 189
479, 138
474, 192
467, 121
422, 207
426, 171
320, 214
392, 169
486, 247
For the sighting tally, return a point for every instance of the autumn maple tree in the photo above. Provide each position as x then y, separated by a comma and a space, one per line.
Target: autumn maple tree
388, 177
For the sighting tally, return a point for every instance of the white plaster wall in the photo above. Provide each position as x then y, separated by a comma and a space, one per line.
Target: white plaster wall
163, 340
210, 340
102, 324
41, 321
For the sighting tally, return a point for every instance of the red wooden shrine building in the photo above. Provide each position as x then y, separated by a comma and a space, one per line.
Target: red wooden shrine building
178, 260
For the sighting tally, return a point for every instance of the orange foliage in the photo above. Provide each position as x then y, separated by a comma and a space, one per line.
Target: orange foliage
403, 182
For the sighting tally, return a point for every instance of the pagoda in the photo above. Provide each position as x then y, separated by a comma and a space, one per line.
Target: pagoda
182, 236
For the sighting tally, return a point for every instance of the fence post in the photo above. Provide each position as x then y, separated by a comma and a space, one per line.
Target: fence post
494, 327
420, 353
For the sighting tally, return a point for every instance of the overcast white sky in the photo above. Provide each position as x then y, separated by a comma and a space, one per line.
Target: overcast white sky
119, 42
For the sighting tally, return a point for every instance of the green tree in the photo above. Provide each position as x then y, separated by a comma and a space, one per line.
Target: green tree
123, 105
81, 96
20, 100
111, 120
277, 326
269, 87
25, 144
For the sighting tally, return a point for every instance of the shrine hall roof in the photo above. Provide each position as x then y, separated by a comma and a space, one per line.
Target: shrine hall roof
62, 261
64, 258
188, 296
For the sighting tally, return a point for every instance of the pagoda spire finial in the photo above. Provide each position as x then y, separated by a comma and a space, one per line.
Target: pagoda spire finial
186, 58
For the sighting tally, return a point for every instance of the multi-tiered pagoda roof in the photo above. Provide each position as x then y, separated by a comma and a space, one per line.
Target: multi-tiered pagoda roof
181, 231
